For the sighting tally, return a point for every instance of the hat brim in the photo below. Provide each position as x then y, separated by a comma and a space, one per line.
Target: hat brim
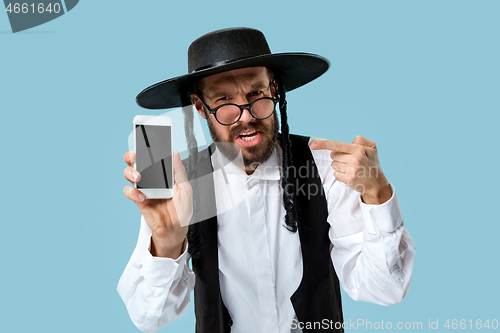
294, 70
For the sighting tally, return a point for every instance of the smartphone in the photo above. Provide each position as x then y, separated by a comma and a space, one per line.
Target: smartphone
153, 147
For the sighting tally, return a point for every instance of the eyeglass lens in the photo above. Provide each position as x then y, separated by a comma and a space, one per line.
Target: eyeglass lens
261, 109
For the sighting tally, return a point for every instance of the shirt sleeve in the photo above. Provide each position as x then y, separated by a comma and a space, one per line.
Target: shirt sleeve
155, 290
373, 254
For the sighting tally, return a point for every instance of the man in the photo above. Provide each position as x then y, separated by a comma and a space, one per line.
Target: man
292, 217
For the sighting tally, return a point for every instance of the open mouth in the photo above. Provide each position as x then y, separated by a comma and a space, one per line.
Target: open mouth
249, 138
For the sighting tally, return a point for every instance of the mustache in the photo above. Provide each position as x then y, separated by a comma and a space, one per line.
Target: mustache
252, 127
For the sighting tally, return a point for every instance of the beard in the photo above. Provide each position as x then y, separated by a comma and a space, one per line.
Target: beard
254, 155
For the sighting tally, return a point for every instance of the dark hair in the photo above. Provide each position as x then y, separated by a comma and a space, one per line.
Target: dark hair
198, 87
288, 181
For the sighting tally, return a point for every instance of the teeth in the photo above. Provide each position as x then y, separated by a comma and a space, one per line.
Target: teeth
248, 138
245, 137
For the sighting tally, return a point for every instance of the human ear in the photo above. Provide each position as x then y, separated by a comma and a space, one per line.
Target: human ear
199, 107
274, 89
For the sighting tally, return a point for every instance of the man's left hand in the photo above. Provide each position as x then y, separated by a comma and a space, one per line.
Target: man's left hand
356, 165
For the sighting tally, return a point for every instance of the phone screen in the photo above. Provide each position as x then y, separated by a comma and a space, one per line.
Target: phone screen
154, 156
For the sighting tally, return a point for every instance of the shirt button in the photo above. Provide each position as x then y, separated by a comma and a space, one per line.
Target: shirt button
252, 182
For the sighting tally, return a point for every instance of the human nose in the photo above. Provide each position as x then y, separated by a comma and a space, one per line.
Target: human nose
246, 116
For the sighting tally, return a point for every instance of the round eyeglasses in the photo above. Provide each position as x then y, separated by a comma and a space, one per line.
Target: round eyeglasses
230, 113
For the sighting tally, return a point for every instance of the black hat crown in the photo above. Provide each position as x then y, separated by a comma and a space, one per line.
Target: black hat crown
225, 46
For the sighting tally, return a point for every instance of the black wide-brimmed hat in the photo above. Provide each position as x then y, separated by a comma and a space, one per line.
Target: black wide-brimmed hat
225, 50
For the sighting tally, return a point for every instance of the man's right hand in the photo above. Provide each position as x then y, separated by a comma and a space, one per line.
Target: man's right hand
167, 218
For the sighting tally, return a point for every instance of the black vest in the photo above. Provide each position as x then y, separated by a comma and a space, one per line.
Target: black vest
317, 298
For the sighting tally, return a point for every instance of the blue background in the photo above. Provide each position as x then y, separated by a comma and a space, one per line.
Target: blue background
420, 78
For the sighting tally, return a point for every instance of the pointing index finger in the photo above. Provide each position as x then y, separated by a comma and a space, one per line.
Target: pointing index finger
333, 145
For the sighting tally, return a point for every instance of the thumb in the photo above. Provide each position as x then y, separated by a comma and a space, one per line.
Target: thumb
359, 140
180, 175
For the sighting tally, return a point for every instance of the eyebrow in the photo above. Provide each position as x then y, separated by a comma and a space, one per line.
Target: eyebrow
260, 85
218, 94
256, 86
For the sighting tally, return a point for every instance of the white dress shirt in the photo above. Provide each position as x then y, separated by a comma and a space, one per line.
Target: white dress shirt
260, 262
